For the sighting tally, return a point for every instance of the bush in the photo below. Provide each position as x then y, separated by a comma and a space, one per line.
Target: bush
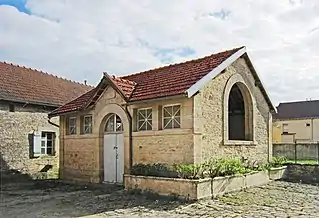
189, 171
278, 161
157, 169
212, 168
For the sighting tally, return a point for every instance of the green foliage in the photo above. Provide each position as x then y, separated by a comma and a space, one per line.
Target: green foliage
189, 171
157, 169
212, 168
278, 161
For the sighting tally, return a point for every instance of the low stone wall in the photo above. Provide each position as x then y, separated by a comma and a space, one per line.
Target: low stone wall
302, 151
196, 189
190, 189
302, 172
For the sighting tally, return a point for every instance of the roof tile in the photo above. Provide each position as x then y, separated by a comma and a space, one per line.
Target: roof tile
160, 82
33, 86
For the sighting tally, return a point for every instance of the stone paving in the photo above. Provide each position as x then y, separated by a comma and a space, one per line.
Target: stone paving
51, 199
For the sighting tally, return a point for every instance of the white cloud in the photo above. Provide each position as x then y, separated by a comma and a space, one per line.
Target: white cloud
79, 39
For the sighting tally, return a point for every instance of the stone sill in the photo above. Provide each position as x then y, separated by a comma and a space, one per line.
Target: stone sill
240, 143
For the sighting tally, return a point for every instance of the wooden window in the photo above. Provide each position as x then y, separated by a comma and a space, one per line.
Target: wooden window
144, 119
87, 124
41, 143
47, 143
71, 126
171, 116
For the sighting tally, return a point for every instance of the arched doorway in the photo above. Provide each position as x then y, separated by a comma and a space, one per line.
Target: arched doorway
113, 149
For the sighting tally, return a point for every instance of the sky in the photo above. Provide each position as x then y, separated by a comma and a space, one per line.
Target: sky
81, 39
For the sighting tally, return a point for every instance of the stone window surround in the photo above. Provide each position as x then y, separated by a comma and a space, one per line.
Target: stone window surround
150, 117
238, 79
180, 116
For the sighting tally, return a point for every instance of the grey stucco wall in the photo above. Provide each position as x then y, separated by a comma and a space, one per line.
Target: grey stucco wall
15, 128
302, 151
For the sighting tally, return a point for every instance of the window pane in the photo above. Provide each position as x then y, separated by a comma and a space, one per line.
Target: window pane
87, 129
149, 113
176, 110
109, 127
119, 126
42, 150
42, 143
176, 124
141, 125
149, 126
88, 121
142, 113
167, 123
72, 121
49, 143
49, 151
43, 134
72, 130
49, 135
167, 111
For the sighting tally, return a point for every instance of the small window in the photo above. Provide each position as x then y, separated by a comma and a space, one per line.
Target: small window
11, 108
285, 128
87, 124
171, 117
113, 124
47, 143
71, 126
307, 124
144, 119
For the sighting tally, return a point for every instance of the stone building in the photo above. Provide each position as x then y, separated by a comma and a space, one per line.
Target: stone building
182, 113
29, 141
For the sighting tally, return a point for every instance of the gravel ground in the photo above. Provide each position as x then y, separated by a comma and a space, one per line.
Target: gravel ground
54, 199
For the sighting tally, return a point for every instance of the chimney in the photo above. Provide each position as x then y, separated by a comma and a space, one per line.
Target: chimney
85, 82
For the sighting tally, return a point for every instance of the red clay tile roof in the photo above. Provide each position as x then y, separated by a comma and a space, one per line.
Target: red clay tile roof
160, 82
23, 84
125, 85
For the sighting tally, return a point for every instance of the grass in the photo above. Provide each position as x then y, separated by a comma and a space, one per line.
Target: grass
312, 162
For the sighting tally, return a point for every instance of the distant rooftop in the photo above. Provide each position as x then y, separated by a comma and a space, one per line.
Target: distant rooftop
22, 84
298, 109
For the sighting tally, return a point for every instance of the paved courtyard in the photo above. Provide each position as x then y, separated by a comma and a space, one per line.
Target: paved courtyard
52, 199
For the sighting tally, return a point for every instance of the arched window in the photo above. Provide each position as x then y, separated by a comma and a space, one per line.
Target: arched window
113, 124
240, 123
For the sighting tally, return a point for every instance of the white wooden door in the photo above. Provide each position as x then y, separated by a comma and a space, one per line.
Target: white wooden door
113, 150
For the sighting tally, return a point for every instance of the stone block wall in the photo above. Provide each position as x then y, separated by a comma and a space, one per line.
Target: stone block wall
15, 128
209, 116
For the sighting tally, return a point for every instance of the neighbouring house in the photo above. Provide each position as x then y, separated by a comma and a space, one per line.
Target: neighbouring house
296, 121
29, 141
189, 112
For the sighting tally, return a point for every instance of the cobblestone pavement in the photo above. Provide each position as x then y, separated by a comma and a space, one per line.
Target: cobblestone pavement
51, 199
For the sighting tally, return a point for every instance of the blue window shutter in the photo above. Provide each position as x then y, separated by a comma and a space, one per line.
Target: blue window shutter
36, 144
